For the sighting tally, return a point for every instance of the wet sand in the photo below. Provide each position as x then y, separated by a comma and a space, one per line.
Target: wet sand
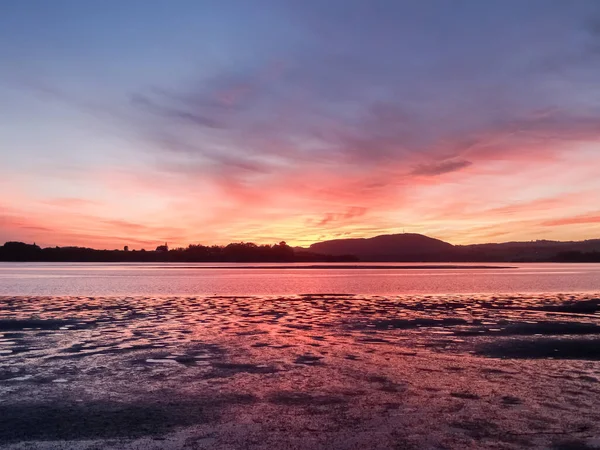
309, 371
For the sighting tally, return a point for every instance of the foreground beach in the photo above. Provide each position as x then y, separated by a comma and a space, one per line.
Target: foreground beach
306, 371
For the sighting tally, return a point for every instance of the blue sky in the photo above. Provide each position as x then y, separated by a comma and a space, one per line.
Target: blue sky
212, 121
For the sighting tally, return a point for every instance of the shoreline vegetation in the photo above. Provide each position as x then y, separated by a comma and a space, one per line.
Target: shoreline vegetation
404, 248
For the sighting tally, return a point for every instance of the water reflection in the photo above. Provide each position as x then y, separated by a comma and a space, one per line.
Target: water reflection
452, 370
178, 279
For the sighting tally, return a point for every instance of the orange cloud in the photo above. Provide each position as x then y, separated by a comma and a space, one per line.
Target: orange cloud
583, 219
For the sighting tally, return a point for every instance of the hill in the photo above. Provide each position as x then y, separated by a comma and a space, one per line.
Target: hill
417, 247
542, 250
390, 247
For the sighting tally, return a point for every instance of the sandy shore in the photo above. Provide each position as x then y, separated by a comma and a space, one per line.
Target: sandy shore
320, 371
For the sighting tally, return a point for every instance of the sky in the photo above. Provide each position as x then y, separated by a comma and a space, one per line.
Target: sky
134, 122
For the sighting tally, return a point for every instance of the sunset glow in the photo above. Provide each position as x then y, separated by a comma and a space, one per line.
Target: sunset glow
215, 122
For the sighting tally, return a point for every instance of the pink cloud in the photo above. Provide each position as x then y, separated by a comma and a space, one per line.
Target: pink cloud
583, 219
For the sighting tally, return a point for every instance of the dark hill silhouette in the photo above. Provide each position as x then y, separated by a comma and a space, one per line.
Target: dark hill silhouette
393, 247
541, 250
389, 247
416, 247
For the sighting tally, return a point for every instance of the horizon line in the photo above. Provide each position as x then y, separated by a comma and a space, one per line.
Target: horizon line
297, 246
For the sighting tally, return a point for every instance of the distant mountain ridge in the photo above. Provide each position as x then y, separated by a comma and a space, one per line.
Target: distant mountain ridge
385, 247
418, 247
406, 247
541, 250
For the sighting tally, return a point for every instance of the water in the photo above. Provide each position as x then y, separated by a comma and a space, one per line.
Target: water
117, 355
105, 279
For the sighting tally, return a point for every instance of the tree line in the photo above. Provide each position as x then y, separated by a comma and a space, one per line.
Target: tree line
235, 252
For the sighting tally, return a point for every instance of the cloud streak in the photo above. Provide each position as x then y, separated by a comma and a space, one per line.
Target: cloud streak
440, 168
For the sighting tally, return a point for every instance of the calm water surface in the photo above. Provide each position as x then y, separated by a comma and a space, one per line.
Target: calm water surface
230, 279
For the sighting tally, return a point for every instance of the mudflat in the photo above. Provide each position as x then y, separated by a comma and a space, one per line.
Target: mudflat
325, 371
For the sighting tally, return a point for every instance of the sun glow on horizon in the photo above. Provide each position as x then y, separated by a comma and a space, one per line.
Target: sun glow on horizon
261, 129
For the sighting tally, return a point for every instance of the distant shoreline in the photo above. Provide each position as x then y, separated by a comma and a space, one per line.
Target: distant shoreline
342, 266
270, 265
395, 248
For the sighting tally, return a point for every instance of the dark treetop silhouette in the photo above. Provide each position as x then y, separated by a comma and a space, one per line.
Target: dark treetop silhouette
237, 252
